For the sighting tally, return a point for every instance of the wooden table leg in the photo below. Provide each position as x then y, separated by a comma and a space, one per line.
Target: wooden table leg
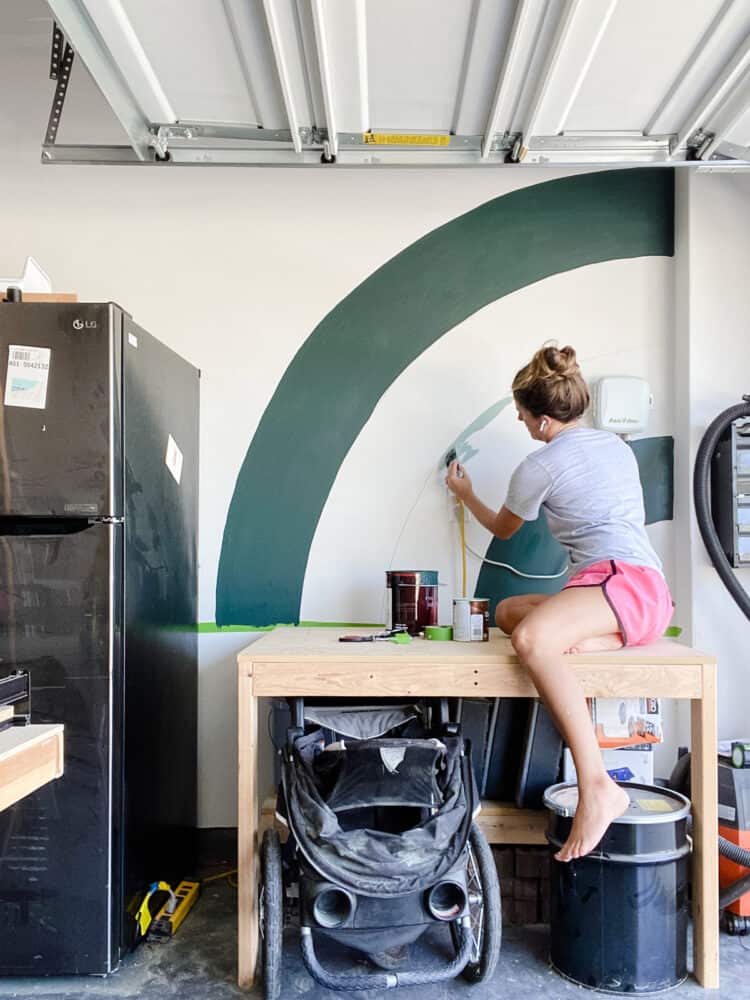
247, 833
705, 792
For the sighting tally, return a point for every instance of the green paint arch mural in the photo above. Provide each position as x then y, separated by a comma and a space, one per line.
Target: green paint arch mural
334, 382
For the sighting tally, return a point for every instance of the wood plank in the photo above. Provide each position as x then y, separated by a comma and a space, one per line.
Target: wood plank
704, 795
269, 820
47, 296
412, 679
247, 832
292, 644
504, 823
30, 756
501, 823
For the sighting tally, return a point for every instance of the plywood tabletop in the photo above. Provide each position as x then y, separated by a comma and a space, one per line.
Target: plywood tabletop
287, 644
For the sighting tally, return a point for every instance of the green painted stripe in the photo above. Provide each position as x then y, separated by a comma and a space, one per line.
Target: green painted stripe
655, 457
534, 550
331, 387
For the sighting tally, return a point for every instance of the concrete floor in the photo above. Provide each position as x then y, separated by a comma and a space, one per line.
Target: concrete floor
201, 963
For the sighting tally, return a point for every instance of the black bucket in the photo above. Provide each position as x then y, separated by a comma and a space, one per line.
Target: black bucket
619, 916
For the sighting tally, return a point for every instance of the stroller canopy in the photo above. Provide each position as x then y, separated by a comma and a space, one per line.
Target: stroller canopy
322, 794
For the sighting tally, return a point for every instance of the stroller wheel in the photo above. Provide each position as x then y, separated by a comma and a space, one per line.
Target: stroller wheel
484, 909
271, 912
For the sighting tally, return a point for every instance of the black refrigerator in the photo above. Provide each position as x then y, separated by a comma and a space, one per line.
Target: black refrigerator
98, 560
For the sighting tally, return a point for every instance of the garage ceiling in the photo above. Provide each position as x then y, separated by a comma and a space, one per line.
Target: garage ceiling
412, 82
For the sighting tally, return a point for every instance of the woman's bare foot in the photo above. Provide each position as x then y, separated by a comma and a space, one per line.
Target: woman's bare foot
600, 644
602, 803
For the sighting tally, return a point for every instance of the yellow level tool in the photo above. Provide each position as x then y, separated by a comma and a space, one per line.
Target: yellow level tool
143, 916
170, 916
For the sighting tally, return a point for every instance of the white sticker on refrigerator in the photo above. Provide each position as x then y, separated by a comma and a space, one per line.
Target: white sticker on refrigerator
27, 376
173, 459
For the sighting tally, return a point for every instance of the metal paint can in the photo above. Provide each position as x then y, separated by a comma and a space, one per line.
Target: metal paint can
411, 598
637, 879
471, 619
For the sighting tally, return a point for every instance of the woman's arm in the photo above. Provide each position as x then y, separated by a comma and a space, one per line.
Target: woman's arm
502, 523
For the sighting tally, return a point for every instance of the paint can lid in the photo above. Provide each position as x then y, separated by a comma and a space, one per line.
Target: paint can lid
411, 577
648, 803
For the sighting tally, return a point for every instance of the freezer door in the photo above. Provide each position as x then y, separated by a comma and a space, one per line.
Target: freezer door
60, 877
60, 410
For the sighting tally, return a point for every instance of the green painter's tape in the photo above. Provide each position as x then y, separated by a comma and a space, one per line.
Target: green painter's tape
211, 627
331, 387
208, 628
438, 633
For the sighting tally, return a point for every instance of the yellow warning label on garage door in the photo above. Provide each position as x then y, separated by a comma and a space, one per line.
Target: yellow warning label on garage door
404, 139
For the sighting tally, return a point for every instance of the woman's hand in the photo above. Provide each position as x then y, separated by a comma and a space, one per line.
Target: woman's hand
458, 481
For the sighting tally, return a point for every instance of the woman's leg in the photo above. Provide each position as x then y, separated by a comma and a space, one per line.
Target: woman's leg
541, 639
511, 612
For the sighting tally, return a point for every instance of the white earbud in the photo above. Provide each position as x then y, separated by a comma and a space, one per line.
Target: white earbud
542, 426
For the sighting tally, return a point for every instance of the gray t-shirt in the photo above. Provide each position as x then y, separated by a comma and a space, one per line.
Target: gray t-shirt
588, 483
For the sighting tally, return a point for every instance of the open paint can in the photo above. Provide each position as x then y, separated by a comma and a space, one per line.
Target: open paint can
619, 916
411, 599
471, 619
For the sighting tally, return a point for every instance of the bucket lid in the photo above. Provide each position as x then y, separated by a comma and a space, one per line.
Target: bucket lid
412, 577
648, 803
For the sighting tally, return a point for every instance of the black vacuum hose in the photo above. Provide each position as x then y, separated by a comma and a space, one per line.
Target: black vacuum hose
701, 477
727, 848
734, 852
680, 781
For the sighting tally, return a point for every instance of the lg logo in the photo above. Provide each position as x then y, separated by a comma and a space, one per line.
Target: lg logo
87, 324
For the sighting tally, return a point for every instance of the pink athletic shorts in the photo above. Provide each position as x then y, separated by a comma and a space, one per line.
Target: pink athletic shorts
638, 595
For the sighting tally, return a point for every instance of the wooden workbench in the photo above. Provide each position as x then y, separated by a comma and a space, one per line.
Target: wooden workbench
310, 662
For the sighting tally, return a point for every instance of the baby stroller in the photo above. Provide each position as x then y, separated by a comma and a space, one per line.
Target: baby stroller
379, 803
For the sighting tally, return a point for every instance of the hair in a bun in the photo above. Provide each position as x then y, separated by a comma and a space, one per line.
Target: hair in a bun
551, 385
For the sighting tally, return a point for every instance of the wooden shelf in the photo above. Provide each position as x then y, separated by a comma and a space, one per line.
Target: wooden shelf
500, 822
46, 296
504, 823
30, 756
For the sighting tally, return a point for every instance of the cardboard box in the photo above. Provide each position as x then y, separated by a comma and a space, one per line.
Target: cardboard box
621, 722
638, 761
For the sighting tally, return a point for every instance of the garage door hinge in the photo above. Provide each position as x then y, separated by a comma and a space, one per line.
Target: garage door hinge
160, 141
698, 142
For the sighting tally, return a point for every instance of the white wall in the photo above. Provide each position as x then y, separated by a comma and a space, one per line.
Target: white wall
712, 364
233, 268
